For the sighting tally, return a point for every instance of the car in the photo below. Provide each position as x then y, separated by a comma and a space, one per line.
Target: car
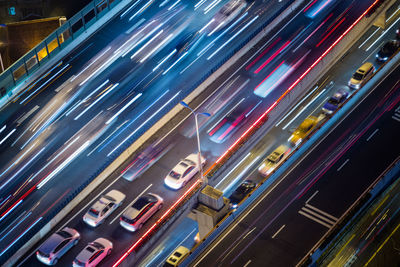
189, 42
303, 130
145, 160
241, 192
103, 207
185, 170
334, 102
176, 257
140, 211
57, 245
387, 50
361, 75
273, 160
93, 253
231, 122
226, 14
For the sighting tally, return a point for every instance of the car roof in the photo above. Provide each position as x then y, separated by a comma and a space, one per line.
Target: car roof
365, 67
51, 243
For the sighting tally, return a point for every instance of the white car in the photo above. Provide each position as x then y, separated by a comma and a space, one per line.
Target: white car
93, 253
103, 208
140, 211
183, 172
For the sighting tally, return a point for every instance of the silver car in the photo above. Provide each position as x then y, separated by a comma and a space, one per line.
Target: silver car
103, 208
93, 253
57, 245
140, 211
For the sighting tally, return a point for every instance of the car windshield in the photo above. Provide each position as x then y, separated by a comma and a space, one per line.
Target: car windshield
90, 249
140, 203
94, 212
174, 175
358, 76
333, 101
97, 245
183, 164
109, 198
190, 162
64, 234
177, 254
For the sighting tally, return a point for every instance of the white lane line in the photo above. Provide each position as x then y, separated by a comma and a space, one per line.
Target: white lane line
341, 166
8, 135
315, 219
313, 195
237, 243
277, 232
322, 212
396, 117
316, 215
131, 203
23, 118
247, 263
369, 137
373, 52
2, 128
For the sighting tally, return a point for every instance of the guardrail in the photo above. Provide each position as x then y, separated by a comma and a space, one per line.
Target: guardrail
21, 71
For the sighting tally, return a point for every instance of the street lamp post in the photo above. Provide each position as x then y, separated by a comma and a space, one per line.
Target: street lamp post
200, 167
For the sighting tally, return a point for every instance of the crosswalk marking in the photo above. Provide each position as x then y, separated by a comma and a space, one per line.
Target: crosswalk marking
318, 216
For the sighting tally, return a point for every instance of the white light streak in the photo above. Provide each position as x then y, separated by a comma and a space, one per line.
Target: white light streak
205, 26
91, 63
97, 100
165, 59
176, 62
156, 48
125, 107
147, 44
8, 135
138, 128
233, 37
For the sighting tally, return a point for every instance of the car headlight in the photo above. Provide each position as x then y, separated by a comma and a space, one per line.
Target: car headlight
172, 185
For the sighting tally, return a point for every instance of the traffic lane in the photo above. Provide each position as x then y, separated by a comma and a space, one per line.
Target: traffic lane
371, 102
120, 237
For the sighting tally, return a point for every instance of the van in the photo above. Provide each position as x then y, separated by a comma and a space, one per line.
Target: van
361, 75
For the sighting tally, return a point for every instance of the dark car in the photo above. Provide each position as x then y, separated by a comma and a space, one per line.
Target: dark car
387, 50
335, 101
189, 42
234, 119
241, 192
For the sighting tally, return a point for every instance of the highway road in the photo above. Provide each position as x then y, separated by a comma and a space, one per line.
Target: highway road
372, 238
100, 98
152, 180
282, 225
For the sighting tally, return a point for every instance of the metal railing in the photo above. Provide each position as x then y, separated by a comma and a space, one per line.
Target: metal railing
20, 70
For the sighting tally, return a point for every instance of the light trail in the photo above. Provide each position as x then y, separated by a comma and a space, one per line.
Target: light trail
148, 119
95, 102
8, 135
165, 59
141, 9
125, 107
147, 44
44, 84
156, 48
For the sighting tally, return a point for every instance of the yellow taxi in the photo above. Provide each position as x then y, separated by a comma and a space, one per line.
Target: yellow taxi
177, 256
276, 157
303, 130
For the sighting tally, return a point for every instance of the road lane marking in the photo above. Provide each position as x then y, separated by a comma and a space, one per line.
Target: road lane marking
277, 232
247, 263
237, 243
313, 195
369, 137
23, 118
131, 203
316, 215
322, 212
341, 166
315, 219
